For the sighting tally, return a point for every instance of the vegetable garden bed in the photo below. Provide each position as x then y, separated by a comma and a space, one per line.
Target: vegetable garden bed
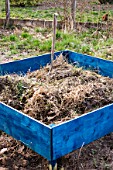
55, 140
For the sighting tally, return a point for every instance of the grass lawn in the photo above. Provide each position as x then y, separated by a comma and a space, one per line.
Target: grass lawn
17, 44
86, 12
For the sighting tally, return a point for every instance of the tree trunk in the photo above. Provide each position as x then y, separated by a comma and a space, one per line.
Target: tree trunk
7, 8
73, 12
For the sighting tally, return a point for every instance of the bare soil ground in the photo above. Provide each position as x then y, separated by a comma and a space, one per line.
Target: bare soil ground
53, 97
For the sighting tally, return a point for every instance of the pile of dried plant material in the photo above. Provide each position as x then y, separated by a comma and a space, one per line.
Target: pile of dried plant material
11, 89
58, 95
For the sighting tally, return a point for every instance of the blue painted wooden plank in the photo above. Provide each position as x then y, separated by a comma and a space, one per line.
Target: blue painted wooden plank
72, 134
26, 129
28, 64
54, 142
104, 67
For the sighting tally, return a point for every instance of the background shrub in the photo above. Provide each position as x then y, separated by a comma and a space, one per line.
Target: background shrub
106, 1
25, 2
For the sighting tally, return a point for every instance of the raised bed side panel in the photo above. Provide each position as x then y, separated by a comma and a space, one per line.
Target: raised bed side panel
25, 65
27, 130
73, 134
103, 67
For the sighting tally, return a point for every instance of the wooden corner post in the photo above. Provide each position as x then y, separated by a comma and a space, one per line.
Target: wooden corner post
52, 163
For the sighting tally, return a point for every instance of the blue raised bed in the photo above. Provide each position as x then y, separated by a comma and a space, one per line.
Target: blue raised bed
53, 142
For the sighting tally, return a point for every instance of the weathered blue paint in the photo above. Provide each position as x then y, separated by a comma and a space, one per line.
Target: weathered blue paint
51, 141
103, 67
25, 65
31, 132
71, 135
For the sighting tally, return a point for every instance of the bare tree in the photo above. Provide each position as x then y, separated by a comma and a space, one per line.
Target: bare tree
69, 14
73, 12
7, 8
66, 12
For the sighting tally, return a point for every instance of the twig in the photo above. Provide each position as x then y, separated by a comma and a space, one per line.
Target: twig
80, 150
79, 155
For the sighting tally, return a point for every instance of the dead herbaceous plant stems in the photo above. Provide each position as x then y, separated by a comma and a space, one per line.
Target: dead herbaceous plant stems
54, 38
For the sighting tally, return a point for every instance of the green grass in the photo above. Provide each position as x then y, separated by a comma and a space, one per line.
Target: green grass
91, 15
27, 44
28, 12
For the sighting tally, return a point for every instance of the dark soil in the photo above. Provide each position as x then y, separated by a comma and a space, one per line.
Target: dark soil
52, 97
95, 156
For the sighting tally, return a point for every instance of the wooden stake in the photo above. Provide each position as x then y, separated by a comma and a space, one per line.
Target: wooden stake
54, 38
53, 165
